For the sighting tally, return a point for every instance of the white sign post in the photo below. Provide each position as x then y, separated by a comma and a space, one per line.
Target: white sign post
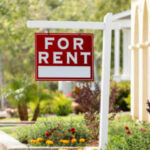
107, 27
105, 81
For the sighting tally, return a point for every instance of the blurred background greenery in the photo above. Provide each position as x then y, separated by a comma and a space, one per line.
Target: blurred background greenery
17, 51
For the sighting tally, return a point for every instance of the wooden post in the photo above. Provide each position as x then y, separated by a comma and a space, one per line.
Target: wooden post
105, 81
143, 63
148, 44
135, 64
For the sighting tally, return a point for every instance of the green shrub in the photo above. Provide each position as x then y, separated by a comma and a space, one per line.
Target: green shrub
128, 101
126, 134
124, 91
133, 139
61, 105
45, 107
119, 93
55, 130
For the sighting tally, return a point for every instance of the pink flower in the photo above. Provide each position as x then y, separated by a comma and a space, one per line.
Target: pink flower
69, 94
141, 129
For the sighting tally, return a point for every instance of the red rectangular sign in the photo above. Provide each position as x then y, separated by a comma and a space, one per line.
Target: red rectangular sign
64, 56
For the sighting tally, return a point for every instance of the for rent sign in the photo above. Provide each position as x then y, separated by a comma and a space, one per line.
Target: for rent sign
64, 56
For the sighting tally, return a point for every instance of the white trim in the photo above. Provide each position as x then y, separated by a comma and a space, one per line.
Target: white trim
77, 24
65, 24
121, 15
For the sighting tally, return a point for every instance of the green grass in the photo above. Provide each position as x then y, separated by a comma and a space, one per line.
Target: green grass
11, 129
49, 118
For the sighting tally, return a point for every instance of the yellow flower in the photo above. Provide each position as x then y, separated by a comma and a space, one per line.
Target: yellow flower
61, 141
82, 140
39, 139
66, 141
49, 142
63, 149
34, 141
73, 141
31, 141
79, 148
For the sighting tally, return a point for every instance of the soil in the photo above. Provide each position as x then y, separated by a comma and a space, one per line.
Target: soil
93, 143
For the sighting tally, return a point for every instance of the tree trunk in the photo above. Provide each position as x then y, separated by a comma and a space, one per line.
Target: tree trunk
23, 111
36, 112
2, 84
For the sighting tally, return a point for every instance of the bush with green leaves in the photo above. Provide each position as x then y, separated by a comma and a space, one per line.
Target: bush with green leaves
23, 92
61, 105
133, 139
126, 134
55, 130
123, 93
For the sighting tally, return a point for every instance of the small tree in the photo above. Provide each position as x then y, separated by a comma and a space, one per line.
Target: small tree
20, 92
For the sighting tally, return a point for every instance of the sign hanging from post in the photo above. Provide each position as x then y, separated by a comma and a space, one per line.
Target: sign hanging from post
64, 56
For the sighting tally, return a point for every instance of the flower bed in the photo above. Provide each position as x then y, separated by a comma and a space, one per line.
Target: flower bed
58, 132
60, 137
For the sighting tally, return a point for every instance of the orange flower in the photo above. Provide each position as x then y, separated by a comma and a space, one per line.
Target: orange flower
61, 141
49, 142
82, 140
66, 141
39, 139
79, 148
73, 141
34, 141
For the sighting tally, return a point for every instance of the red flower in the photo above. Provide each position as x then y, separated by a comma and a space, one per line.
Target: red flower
47, 133
73, 130
59, 135
71, 137
128, 132
54, 129
144, 130
126, 128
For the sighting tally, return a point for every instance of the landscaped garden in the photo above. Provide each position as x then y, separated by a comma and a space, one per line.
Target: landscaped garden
42, 114
124, 133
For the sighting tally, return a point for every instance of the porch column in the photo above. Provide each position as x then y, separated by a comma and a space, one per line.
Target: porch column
65, 87
143, 62
126, 54
135, 63
116, 76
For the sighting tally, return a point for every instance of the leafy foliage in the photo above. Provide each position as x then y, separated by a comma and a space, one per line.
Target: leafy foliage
55, 130
87, 98
17, 42
61, 105
126, 134
21, 92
